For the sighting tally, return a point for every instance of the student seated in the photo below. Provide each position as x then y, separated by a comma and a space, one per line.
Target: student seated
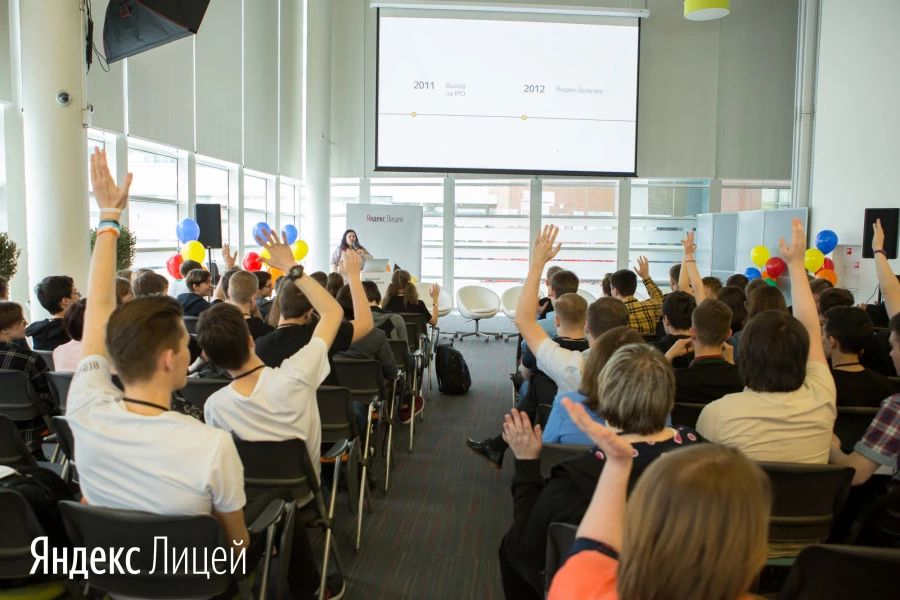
736, 300
710, 375
738, 279
150, 284
762, 298
711, 286
560, 282
179, 286
392, 324
55, 293
67, 356
644, 314
403, 297
569, 316
199, 284
695, 526
242, 290
787, 411
846, 331
560, 428
264, 293
123, 290
818, 286
676, 318
545, 305
636, 390
16, 358
333, 283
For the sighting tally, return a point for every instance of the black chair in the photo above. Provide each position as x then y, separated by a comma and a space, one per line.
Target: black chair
651, 337
60, 381
286, 466
363, 378
896, 382
879, 523
686, 413
408, 380
198, 390
47, 355
831, 572
426, 345
553, 454
13, 451
339, 424
806, 499
543, 414
560, 537
190, 323
19, 401
67, 444
97, 527
851, 424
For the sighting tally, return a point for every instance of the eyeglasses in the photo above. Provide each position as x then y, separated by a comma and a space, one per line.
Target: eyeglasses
76, 293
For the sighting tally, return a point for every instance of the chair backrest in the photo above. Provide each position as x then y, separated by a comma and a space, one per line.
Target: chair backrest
560, 537
831, 572
336, 413
553, 454
686, 413
896, 382
47, 355
60, 382
97, 527
475, 297
20, 527
13, 451
586, 295
412, 334
64, 437
509, 300
361, 376
851, 424
401, 353
199, 389
270, 465
879, 523
543, 414
18, 401
805, 500
417, 319
190, 323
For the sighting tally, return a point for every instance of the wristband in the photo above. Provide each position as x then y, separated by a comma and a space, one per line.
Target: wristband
114, 230
882, 252
117, 211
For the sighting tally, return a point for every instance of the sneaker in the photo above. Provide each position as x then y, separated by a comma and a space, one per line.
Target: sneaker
334, 587
406, 414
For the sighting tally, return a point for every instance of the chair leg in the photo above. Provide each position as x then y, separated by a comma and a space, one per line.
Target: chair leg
414, 391
362, 483
267, 562
285, 548
390, 433
353, 475
329, 531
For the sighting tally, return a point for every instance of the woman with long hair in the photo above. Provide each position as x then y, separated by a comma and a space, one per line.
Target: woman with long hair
349, 241
403, 297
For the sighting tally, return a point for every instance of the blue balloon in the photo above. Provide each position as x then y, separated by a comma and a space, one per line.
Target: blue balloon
291, 233
826, 241
261, 229
752, 273
190, 230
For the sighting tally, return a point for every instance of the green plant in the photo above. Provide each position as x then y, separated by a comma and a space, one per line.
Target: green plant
125, 248
9, 256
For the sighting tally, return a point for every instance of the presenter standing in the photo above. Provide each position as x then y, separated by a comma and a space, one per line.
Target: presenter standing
349, 242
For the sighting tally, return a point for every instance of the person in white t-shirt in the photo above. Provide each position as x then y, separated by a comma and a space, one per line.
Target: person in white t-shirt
787, 410
133, 451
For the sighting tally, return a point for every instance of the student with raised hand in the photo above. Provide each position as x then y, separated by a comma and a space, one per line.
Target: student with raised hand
644, 314
133, 451
689, 280
787, 410
697, 521
890, 285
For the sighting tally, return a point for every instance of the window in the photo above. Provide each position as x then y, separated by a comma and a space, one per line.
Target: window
586, 213
256, 205
741, 194
212, 188
491, 237
153, 202
97, 139
155, 174
344, 191
429, 194
661, 211
289, 203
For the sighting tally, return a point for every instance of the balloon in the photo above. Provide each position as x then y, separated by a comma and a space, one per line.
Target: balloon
827, 274
290, 232
775, 267
187, 231
276, 273
771, 282
826, 241
193, 250
259, 228
752, 273
759, 255
300, 249
828, 264
814, 260
173, 264
251, 262
765, 275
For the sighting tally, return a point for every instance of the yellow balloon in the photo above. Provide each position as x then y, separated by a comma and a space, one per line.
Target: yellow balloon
265, 253
300, 249
813, 260
193, 250
413, 280
759, 255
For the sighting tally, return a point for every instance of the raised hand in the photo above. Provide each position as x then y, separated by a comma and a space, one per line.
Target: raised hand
280, 255
435, 292
795, 253
107, 193
525, 442
616, 448
544, 249
878, 237
229, 258
351, 264
643, 268
688, 244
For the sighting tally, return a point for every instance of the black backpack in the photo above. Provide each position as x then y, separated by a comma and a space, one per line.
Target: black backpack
42, 489
452, 371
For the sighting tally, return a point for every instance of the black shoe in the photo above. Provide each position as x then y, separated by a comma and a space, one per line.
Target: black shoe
484, 450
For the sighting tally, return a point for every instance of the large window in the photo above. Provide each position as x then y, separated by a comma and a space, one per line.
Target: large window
257, 207
344, 191
153, 204
289, 203
742, 194
212, 188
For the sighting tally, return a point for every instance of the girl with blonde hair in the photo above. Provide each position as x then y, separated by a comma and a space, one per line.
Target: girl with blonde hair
403, 297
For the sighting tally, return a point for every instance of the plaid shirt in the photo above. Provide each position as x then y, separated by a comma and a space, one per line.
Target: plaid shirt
881, 442
644, 316
14, 358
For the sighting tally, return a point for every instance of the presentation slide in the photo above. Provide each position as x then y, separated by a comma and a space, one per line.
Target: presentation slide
507, 96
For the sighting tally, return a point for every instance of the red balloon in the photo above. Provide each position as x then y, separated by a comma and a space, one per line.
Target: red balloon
174, 264
828, 264
251, 262
775, 267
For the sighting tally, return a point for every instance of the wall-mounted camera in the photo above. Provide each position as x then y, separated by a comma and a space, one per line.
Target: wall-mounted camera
63, 98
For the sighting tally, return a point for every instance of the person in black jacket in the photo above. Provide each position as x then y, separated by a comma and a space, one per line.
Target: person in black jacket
55, 293
636, 391
194, 302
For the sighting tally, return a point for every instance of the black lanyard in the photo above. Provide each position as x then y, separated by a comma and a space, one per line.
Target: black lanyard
253, 370
143, 403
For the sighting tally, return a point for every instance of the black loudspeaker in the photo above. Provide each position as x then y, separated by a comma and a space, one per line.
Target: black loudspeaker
890, 217
134, 26
209, 218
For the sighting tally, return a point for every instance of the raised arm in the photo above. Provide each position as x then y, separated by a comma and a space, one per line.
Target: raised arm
101, 298
362, 313
229, 259
526, 310
330, 312
890, 287
653, 291
689, 266
804, 304
434, 292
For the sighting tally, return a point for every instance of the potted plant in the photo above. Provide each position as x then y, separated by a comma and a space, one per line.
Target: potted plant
9, 256
125, 248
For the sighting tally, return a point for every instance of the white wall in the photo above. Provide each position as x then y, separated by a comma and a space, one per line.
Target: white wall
855, 149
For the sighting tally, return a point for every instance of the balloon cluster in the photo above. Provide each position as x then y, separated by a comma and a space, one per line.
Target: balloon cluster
252, 260
815, 261
188, 231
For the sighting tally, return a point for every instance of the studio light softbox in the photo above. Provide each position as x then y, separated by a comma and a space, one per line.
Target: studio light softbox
133, 26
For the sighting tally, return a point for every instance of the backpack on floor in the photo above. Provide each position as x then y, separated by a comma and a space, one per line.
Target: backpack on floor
452, 371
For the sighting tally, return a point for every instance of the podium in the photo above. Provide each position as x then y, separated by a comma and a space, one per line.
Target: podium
382, 280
